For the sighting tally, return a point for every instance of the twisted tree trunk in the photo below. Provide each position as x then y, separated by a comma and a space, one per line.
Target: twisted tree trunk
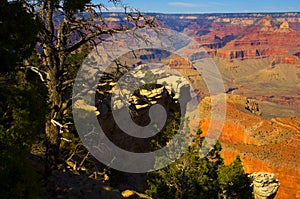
58, 42
53, 122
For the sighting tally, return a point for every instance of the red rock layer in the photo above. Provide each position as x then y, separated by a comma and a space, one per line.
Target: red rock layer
264, 145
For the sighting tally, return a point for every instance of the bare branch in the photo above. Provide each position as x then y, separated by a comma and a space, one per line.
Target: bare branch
67, 84
56, 123
93, 35
66, 140
84, 159
36, 70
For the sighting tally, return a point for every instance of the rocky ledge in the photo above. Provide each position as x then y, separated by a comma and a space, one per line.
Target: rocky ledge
265, 185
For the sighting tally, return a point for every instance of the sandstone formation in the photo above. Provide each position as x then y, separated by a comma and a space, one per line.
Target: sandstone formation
265, 185
284, 27
265, 145
265, 39
254, 38
252, 106
258, 56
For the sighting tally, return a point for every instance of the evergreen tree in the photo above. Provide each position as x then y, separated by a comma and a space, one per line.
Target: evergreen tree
22, 105
233, 182
22, 119
18, 34
194, 177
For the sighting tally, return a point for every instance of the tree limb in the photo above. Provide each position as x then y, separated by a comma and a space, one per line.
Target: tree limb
37, 71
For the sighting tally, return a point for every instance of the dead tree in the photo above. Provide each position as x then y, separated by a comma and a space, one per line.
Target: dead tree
67, 26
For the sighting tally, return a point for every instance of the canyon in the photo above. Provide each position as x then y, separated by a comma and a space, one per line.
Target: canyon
268, 145
260, 60
258, 56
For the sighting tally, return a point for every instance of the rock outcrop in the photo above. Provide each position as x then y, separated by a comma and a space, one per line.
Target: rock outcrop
265, 185
284, 27
130, 194
268, 37
268, 145
252, 106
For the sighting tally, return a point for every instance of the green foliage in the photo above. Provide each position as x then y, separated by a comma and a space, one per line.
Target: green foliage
18, 34
74, 61
233, 182
194, 177
22, 105
22, 110
188, 177
161, 139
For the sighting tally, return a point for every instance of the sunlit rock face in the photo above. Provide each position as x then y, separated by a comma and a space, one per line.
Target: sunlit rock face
250, 50
268, 145
265, 185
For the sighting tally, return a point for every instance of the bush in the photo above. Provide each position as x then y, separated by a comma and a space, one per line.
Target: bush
194, 177
22, 115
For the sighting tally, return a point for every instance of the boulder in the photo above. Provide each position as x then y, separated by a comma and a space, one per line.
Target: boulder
130, 194
265, 185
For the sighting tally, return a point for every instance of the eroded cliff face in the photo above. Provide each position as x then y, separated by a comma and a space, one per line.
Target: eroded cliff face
258, 57
268, 38
265, 145
248, 37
